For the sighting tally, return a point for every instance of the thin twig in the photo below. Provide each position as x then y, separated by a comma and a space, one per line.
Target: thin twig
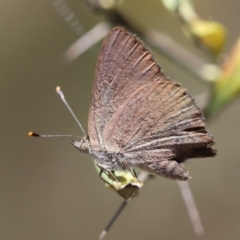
143, 177
181, 56
85, 42
68, 15
191, 207
114, 218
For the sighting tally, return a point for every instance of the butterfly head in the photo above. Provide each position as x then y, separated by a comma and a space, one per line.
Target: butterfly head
83, 145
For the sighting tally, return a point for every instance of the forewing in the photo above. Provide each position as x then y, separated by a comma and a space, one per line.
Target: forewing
121, 71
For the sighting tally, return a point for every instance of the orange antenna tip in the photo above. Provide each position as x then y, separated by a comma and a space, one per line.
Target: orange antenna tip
32, 134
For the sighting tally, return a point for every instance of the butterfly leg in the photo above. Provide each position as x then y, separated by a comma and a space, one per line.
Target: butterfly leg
132, 171
107, 172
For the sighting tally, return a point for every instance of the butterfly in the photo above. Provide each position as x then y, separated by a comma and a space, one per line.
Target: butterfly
140, 118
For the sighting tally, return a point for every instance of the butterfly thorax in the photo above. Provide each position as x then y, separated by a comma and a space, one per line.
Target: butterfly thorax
109, 161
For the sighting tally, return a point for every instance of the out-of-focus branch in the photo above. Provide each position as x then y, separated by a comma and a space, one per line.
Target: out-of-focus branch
161, 42
181, 56
85, 42
166, 46
68, 15
191, 207
143, 177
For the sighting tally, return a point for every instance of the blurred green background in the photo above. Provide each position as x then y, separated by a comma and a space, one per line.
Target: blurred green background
48, 189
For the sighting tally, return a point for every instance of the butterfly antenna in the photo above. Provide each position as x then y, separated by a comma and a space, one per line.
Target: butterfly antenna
60, 93
33, 134
114, 218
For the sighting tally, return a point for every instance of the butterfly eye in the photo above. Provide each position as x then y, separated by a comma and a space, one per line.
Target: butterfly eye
84, 146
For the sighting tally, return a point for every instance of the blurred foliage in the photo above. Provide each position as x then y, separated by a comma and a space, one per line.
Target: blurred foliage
210, 35
227, 87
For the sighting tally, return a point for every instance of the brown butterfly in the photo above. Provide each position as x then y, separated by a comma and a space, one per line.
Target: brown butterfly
140, 118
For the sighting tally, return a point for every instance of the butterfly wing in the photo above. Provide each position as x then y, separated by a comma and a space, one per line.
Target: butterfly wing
137, 111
